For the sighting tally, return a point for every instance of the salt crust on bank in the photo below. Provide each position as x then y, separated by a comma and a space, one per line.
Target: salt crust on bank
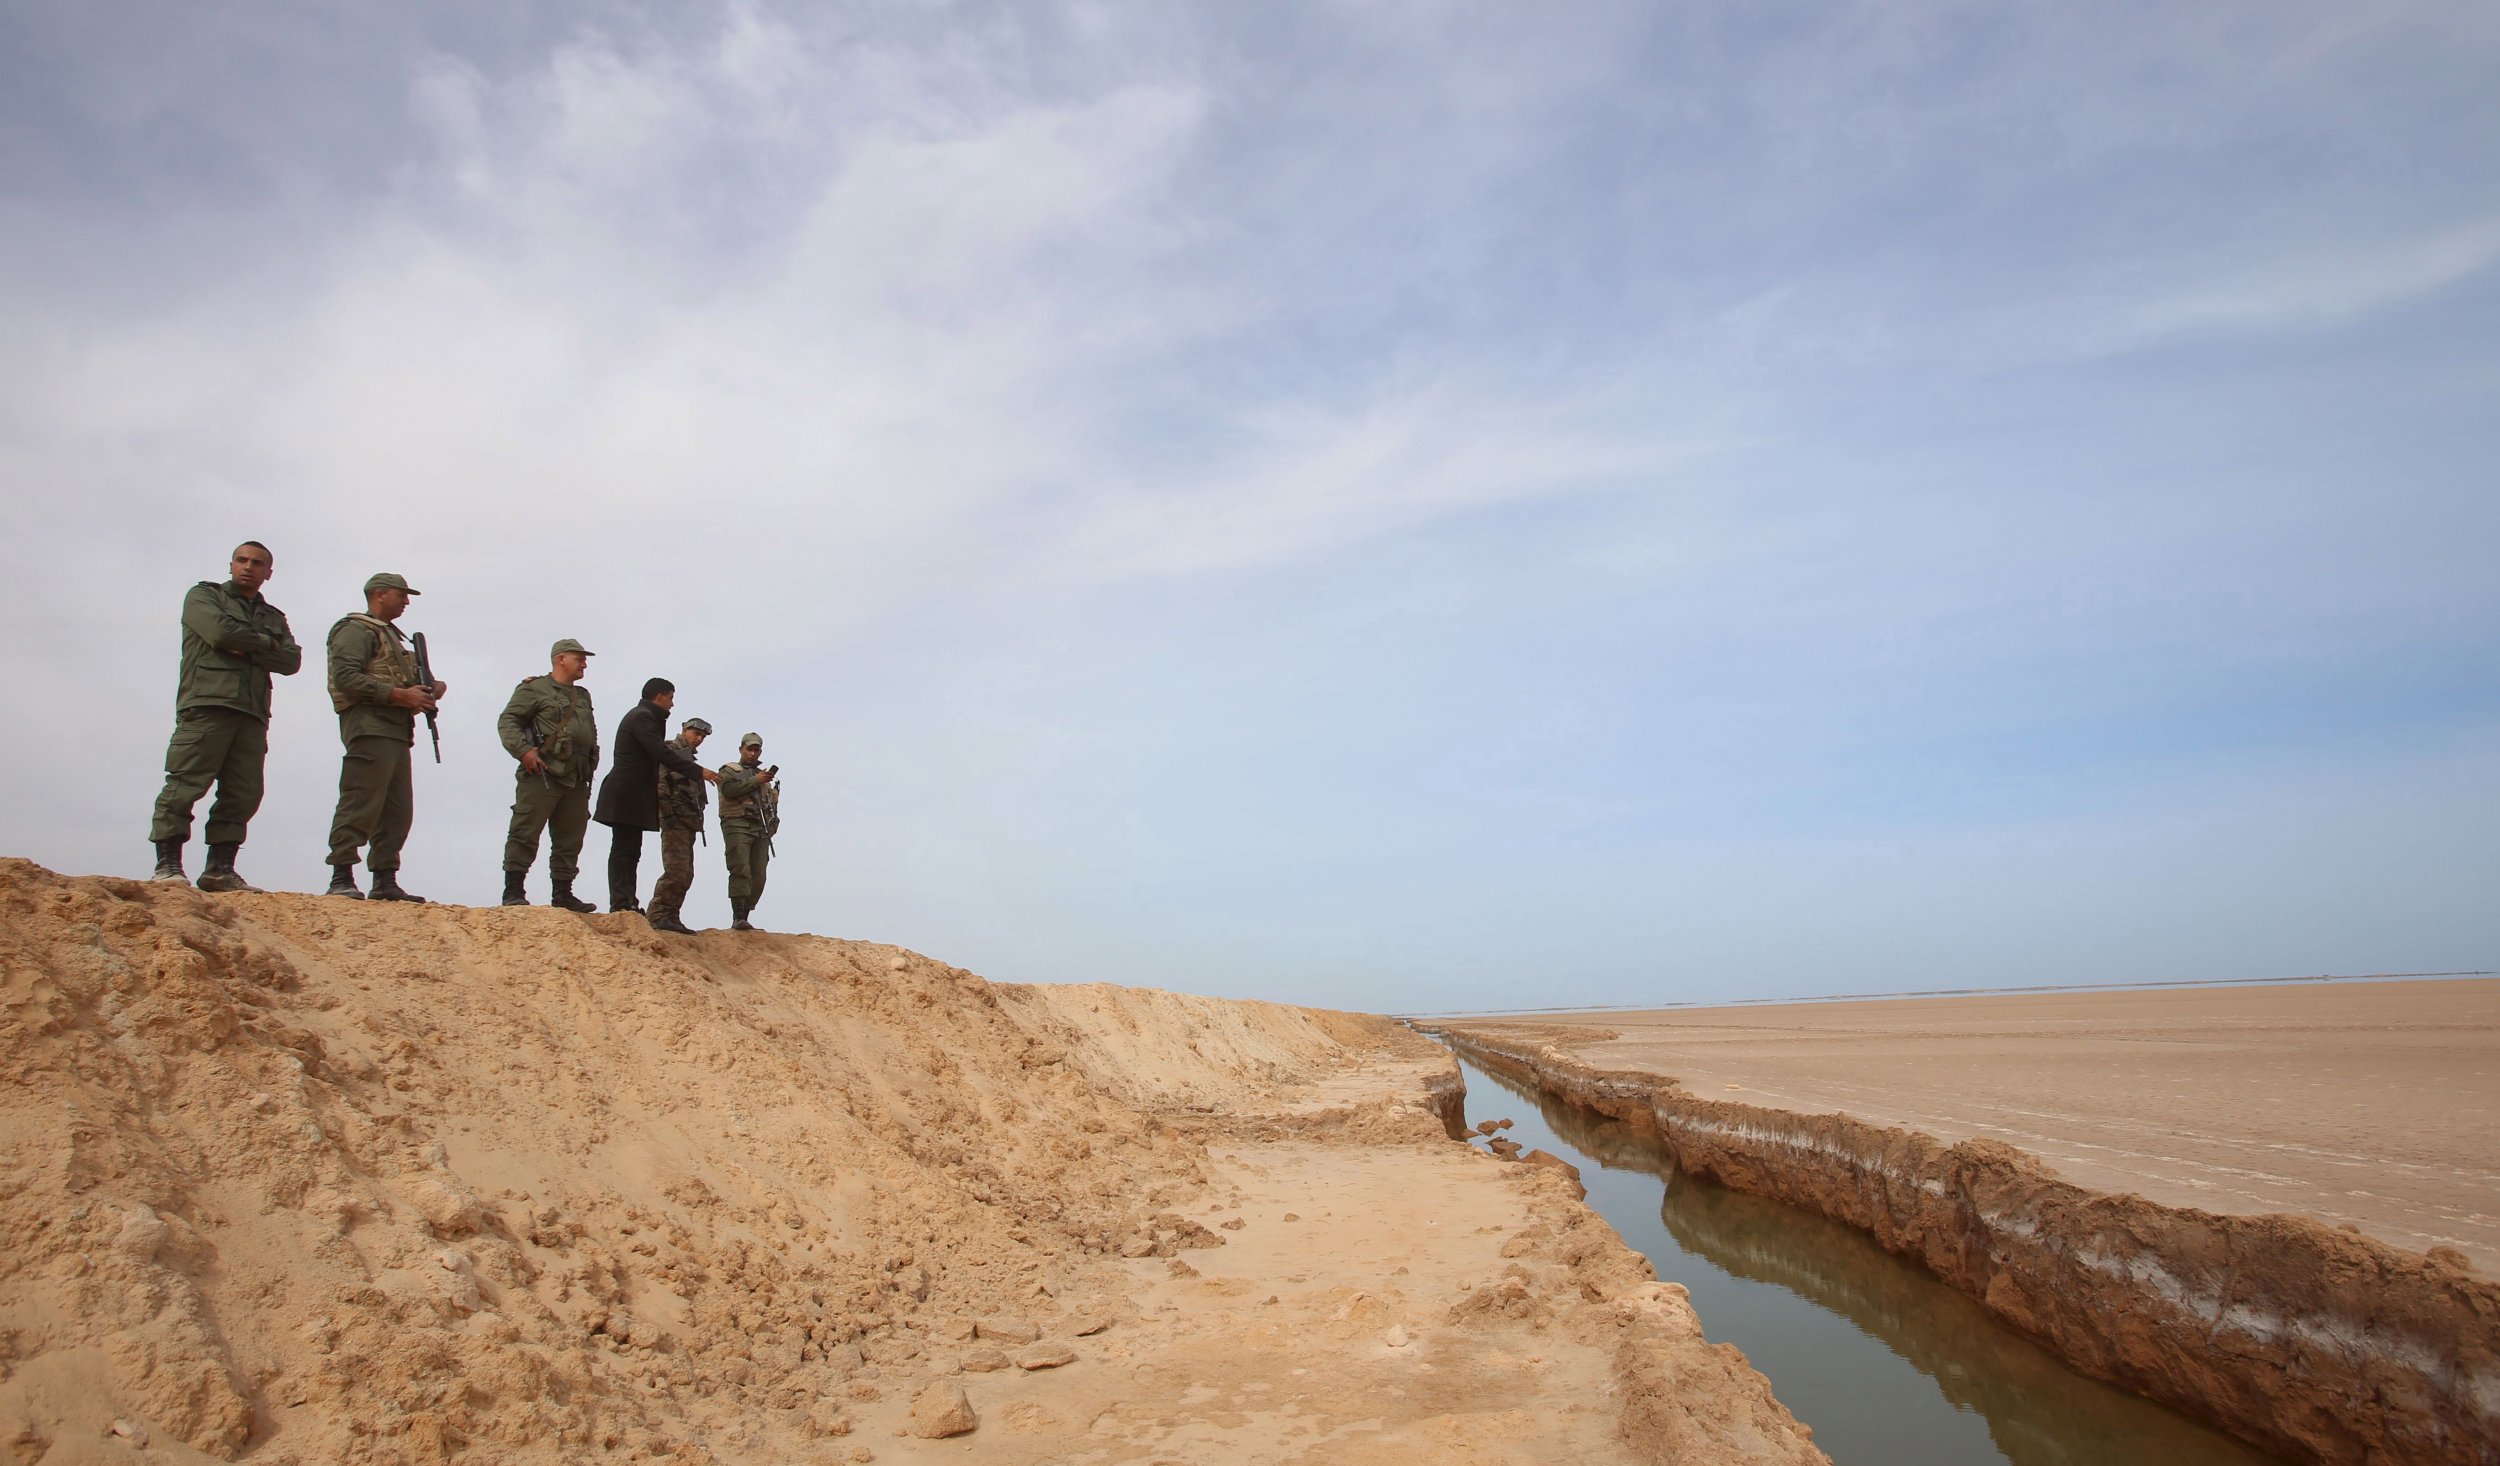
2321, 1344
295, 1180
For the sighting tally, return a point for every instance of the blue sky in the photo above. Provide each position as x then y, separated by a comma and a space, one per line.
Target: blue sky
1396, 505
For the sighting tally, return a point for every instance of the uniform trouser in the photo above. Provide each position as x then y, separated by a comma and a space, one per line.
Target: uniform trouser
668, 898
563, 811
217, 746
743, 845
377, 801
624, 864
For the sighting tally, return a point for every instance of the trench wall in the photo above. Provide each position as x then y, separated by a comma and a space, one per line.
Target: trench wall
2321, 1344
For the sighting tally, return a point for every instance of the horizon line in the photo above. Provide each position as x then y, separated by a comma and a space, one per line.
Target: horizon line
2054, 987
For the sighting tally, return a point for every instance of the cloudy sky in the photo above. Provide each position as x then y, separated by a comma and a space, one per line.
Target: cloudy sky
1400, 505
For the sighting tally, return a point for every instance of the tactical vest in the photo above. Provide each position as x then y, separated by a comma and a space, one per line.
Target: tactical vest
552, 718
757, 804
391, 664
682, 796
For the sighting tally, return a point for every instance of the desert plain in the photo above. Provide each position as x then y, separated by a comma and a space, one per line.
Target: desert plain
2373, 1105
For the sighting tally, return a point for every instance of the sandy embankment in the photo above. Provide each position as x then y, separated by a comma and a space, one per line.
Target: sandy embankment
296, 1180
2183, 1127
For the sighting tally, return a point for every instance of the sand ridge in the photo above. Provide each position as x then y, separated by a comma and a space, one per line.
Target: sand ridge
297, 1180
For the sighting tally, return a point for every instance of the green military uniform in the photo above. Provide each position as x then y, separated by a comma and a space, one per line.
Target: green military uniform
682, 801
232, 639
557, 720
750, 813
369, 659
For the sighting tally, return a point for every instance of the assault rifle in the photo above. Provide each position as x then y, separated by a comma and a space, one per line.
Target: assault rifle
425, 679
768, 802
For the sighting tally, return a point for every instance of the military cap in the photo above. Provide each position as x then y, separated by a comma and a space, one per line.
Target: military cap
697, 725
568, 645
388, 581
751, 740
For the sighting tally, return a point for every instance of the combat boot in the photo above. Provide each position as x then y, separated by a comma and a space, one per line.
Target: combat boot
738, 917
667, 921
220, 874
169, 861
628, 904
343, 882
565, 898
513, 894
386, 888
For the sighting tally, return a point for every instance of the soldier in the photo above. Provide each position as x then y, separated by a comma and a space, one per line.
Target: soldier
548, 725
374, 686
231, 641
681, 822
750, 811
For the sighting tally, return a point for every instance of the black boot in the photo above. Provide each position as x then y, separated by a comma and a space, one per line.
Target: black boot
386, 888
565, 898
738, 917
513, 895
664, 920
221, 874
343, 882
169, 861
624, 903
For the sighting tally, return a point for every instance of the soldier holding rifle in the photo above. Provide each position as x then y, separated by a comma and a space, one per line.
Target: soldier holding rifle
378, 685
750, 811
549, 726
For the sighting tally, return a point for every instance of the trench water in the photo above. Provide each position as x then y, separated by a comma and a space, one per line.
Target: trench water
1889, 1366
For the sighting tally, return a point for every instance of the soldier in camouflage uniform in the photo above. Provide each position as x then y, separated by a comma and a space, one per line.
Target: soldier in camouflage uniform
231, 641
750, 811
374, 687
682, 799
548, 725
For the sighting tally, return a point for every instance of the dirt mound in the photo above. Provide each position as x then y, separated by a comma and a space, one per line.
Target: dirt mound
411, 1172
310, 1181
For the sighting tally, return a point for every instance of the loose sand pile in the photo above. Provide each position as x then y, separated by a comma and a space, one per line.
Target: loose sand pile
290, 1179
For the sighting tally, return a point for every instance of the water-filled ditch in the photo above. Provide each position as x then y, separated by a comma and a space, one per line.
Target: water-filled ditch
1887, 1364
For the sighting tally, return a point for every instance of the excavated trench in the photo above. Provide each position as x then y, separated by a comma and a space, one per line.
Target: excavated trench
2312, 1344
1889, 1366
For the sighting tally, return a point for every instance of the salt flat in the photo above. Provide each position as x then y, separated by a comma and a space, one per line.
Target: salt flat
2369, 1104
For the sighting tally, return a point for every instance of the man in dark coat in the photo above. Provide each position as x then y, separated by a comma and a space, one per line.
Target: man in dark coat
629, 798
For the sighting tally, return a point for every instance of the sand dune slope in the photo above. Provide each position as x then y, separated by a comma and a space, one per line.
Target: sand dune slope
290, 1179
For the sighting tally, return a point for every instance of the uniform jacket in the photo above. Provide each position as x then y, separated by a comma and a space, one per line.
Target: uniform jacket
369, 659
231, 642
746, 799
629, 798
682, 796
561, 715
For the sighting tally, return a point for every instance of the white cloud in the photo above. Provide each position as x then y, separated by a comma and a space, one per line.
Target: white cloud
1315, 479
2305, 287
874, 369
